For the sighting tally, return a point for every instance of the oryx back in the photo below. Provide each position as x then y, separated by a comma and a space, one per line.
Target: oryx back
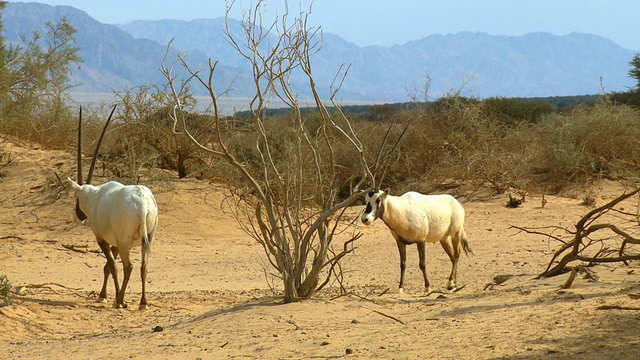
123, 215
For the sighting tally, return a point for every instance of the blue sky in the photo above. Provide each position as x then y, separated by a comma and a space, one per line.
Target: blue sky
380, 22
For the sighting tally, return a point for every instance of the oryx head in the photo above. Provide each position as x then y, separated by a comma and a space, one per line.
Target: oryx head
375, 205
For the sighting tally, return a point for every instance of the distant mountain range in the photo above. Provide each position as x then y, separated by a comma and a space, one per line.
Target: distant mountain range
119, 57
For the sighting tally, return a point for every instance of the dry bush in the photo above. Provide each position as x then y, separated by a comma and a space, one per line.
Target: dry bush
6, 159
459, 141
52, 130
512, 111
140, 137
455, 142
600, 141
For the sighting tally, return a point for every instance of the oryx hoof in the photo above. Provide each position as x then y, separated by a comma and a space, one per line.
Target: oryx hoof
120, 306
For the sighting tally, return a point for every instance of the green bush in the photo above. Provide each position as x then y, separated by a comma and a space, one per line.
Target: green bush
5, 291
33, 86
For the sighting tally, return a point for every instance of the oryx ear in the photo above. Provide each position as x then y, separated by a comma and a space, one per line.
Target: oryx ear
385, 193
74, 185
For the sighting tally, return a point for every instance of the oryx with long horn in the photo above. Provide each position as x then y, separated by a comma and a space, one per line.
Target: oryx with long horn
415, 218
120, 216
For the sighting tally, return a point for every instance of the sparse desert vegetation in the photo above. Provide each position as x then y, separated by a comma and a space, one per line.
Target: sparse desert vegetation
258, 253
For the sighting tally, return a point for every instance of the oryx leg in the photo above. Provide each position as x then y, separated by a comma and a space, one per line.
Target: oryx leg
143, 276
127, 267
402, 248
453, 250
423, 266
111, 253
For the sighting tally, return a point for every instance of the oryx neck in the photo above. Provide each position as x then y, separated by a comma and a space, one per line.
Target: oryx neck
380, 210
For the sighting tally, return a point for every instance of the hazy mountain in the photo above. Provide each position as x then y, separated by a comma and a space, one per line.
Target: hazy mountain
536, 64
113, 59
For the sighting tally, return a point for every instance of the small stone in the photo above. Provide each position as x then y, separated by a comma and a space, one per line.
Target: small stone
158, 328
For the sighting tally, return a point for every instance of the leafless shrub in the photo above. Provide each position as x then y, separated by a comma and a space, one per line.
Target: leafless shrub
287, 194
462, 142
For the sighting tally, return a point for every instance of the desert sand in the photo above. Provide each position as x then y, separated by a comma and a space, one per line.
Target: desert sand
211, 298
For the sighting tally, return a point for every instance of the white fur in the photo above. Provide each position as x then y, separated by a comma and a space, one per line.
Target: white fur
414, 218
121, 217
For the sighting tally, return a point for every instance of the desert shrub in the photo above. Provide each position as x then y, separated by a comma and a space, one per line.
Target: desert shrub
600, 141
464, 141
5, 291
6, 159
423, 155
284, 151
631, 98
457, 141
141, 136
381, 113
511, 111
175, 151
33, 84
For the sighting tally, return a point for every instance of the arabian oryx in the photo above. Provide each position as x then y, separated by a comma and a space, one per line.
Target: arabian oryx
120, 217
414, 218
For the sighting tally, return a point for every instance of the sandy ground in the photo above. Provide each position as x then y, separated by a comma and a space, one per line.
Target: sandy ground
209, 295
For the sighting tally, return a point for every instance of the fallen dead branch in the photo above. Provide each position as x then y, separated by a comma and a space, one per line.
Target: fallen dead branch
364, 298
79, 248
19, 290
617, 307
592, 242
385, 315
32, 286
588, 274
11, 237
567, 284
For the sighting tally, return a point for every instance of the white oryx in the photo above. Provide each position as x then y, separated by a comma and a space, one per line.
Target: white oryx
121, 217
414, 218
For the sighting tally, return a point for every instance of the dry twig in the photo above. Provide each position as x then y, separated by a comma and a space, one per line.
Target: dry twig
385, 315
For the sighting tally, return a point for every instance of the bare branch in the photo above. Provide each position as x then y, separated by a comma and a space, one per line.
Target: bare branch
581, 247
